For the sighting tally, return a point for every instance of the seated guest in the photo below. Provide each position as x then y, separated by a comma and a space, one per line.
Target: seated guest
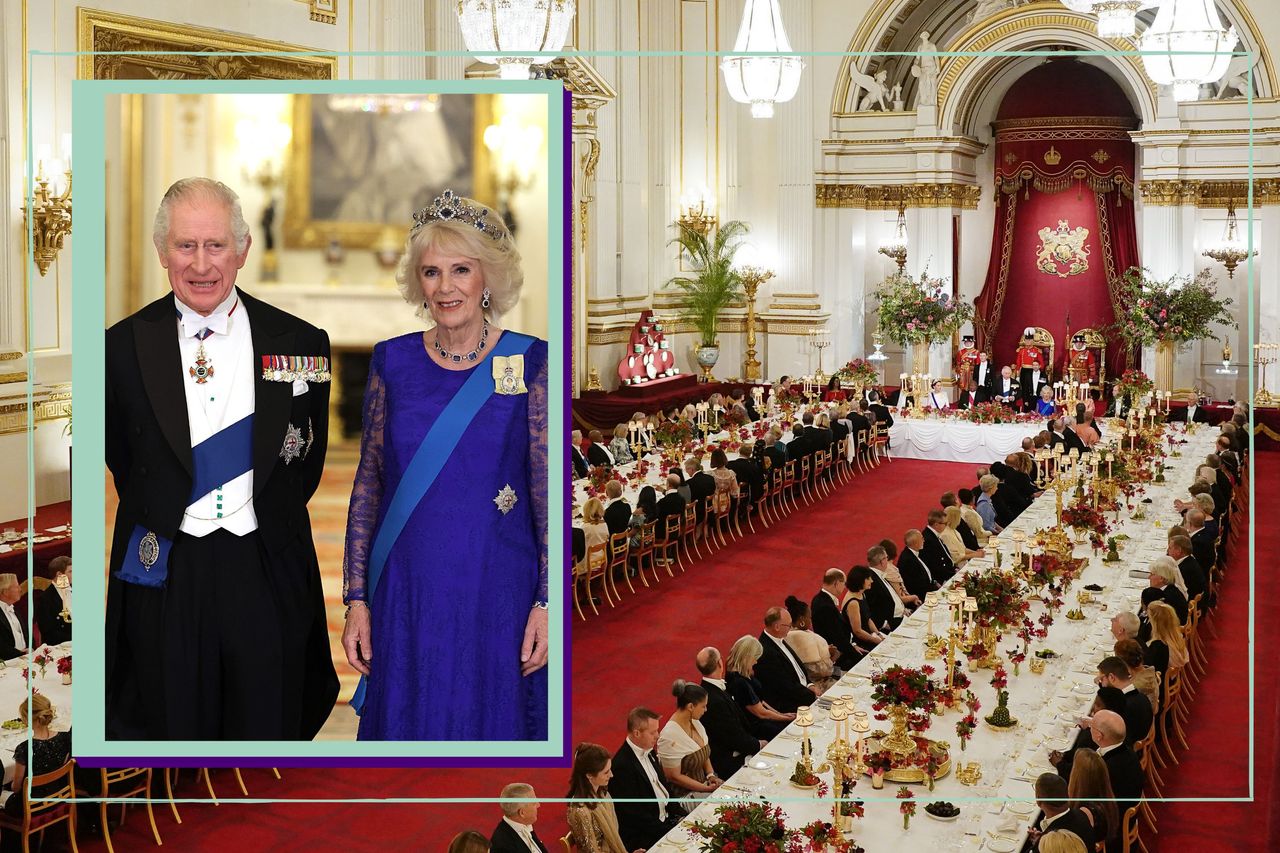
1167, 647
727, 490
750, 477
671, 502
969, 513
1107, 699
745, 689
1193, 412
514, 833
1070, 440
14, 634
1124, 626
782, 677
774, 452
1056, 813
828, 622
575, 453
984, 505
1162, 575
883, 416
701, 485
915, 572
597, 452
44, 753
1145, 678
856, 612
934, 553
617, 513
1061, 841
812, 649
861, 424
728, 725
1088, 429
954, 541
1046, 406
1149, 595
646, 509
937, 398
580, 544
594, 527
1089, 790
1123, 766
1202, 542
1113, 672
968, 397
683, 748
593, 823
838, 423
1005, 389
834, 391
1015, 490
887, 598
738, 395
641, 797
53, 601
468, 841
1193, 575
619, 449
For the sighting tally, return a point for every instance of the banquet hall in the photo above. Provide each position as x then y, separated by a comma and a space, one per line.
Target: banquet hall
909, 197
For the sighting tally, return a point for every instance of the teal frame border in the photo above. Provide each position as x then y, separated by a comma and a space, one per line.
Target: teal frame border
89, 478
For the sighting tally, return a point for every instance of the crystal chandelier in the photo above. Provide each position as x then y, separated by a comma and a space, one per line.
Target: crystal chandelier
762, 81
1116, 18
896, 247
1231, 251
515, 27
1186, 46
384, 104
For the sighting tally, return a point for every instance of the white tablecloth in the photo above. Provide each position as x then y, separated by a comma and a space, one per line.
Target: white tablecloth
955, 440
13, 692
1047, 706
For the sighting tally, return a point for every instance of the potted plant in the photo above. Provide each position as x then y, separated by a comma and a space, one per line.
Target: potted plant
712, 285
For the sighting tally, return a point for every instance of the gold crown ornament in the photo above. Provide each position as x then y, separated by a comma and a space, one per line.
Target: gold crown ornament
1052, 157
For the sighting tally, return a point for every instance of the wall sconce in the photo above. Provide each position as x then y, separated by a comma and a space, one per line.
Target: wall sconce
264, 140
50, 206
698, 211
517, 153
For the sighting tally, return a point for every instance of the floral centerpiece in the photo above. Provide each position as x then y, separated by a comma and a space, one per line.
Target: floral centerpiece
1134, 384
859, 372
917, 311
1082, 516
42, 660
598, 476
1177, 310
906, 691
758, 827
999, 595
907, 806
989, 413
64, 669
673, 433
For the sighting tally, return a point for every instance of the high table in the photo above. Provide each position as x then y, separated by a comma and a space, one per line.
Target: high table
998, 810
52, 539
13, 692
950, 439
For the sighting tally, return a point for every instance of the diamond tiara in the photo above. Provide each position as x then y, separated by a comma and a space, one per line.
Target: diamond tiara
450, 207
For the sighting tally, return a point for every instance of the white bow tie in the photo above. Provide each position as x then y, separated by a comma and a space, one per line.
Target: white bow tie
194, 323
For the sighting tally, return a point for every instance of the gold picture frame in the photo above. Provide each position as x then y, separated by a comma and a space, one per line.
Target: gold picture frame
104, 40
310, 224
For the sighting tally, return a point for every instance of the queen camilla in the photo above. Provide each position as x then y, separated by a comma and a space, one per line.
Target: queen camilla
445, 572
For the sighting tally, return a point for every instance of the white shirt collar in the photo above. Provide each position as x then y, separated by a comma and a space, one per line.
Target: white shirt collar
1103, 750
718, 682
831, 595
642, 754
1129, 688
193, 321
1044, 824
523, 830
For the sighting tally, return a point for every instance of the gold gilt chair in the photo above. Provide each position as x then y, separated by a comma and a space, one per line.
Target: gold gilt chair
126, 785
55, 807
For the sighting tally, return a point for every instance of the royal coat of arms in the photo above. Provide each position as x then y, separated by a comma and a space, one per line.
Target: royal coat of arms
1062, 250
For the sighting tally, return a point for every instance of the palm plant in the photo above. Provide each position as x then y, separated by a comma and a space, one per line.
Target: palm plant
714, 284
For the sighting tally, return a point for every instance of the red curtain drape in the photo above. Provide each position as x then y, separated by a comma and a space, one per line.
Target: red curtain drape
1052, 171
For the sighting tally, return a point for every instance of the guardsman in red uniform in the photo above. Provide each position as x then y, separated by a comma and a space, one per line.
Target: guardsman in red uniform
966, 361
1030, 362
1082, 364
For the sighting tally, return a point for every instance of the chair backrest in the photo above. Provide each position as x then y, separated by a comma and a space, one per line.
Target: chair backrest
113, 777
690, 516
567, 841
671, 531
53, 799
864, 436
647, 531
1129, 829
618, 548
597, 556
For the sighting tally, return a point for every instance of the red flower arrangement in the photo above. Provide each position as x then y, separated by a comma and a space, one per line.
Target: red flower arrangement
1082, 516
858, 371
64, 665
757, 827
907, 806
822, 836
599, 476
1000, 679
999, 596
880, 761
965, 726
911, 688
989, 413
675, 433
1016, 656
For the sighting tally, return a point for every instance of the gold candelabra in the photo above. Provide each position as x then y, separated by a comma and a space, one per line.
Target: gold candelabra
916, 386
50, 219
698, 215
845, 756
752, 277
1264, 355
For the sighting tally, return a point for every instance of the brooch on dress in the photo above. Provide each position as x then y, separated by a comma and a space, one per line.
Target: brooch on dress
290, 368
508, 374
506, 499
148, 550
292, 447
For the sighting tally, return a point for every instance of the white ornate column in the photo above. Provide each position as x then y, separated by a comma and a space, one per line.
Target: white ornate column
445, 33
404, 27
1267, 286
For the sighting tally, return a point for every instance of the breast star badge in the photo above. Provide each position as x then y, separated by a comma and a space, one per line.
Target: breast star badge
506, 499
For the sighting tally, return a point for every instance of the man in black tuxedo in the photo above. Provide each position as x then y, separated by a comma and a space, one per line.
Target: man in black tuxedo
727, 724
1004, 389
819, 436
883, 416
1057, 813
1193, 412
597, 452
1067, 435
984, 376
1202, 541
934, 553
750, 477
514, 833
1137, 713
1015, 487
50, 604
671, 503
1193, 575
839, 429
861, 424
575, 455
775, 452
915, 573
15, 639
800, 446
887, 607
827, 621
217, 413
1162, 576
968, 398
783, 682
617, 514
637, 775
1123, 765
701, 485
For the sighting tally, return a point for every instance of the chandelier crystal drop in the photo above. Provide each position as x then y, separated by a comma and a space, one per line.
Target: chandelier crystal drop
515, 27
1186, 47
762, 81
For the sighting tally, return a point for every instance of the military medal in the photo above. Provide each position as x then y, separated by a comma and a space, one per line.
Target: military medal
290, 368
506, 499
292, 447
202, 370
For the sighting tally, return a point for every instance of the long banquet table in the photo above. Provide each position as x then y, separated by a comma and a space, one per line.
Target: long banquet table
951, 439
998, 810
13, 692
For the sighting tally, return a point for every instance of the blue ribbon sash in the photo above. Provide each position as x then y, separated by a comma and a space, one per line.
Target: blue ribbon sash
428, 460
219, 459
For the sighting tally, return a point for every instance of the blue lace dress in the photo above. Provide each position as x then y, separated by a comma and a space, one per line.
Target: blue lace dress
450, 608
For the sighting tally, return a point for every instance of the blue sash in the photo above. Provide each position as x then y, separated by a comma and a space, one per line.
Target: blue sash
218, 459
428, 460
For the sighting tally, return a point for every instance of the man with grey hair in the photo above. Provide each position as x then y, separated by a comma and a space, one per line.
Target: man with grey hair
13, 625
514, 833
783, 681
1163, 575
1202, 541
575, 453
727, 724
911, 565
1193, 574
217, 412
1124, 626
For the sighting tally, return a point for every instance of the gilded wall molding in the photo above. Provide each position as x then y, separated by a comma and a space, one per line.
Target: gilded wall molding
890, 196
1208, 194
13, 416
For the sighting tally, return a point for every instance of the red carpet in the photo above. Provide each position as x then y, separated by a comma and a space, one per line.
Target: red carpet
630, 655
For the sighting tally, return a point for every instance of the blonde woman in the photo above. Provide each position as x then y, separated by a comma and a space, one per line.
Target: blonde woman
1061, 841
950, 537
1167, 647
618, 446
45, 753
741, 684
593, 525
